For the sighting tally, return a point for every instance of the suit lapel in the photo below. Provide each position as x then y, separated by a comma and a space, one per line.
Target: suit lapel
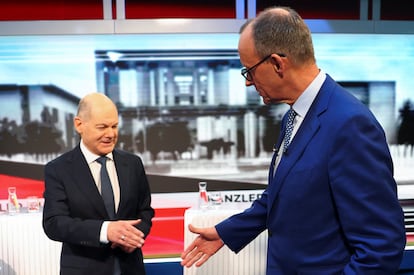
296, 148
85, 182
121, 166
304, 135
276, 151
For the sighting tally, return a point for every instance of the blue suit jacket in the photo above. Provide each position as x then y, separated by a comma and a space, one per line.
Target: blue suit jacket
74, 212
332, 206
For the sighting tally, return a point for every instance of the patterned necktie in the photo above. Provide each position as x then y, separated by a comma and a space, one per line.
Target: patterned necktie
106, 188
289, 128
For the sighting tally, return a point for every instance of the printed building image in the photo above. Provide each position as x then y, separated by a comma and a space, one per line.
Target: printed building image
37, 118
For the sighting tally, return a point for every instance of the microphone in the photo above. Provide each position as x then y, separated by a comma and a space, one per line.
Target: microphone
276, 150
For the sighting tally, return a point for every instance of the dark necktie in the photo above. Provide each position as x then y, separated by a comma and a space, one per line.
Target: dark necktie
289, 128
106, 188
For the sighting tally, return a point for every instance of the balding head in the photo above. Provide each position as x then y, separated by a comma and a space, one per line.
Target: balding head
97, 123
91, 101
282, 30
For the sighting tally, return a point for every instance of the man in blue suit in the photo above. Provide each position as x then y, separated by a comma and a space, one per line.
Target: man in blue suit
331, 203
97, 240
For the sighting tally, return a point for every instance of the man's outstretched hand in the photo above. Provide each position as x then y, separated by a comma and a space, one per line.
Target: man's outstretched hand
207, 243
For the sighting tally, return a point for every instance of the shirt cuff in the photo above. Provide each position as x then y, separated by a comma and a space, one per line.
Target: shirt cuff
103, 237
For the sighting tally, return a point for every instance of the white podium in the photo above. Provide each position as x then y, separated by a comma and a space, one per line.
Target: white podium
24, 247
250, 261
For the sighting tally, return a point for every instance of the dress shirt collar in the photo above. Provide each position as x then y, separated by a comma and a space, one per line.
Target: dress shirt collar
303, 103
89, 156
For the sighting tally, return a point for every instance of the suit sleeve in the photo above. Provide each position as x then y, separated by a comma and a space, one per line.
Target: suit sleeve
236, 233
60, 217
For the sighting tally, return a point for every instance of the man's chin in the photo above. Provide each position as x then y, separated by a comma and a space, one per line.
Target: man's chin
105, 149
266, 100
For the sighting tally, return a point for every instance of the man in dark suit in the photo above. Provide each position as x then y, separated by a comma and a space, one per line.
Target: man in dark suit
331, 203
96, 240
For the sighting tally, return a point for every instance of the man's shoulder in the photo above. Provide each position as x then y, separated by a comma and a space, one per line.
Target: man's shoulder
66, 156
126, 155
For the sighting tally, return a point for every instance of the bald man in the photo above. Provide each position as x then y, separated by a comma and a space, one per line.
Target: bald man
96, 240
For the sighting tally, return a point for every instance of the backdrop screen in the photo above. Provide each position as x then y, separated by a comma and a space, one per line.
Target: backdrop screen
183, 104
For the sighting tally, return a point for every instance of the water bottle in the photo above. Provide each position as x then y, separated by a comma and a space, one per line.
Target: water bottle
13, 206
202, 195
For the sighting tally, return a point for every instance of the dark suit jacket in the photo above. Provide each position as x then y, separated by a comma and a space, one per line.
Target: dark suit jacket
332, 206
74, 212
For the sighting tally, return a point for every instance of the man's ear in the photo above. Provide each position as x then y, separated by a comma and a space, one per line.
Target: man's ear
277, 64
276, 61
77, 122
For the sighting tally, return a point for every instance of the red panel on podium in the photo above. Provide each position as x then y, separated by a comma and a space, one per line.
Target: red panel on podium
167, 234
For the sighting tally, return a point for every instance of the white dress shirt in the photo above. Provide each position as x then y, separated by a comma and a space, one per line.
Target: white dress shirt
95, 168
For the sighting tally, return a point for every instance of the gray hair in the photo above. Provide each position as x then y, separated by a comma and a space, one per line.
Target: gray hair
282, 30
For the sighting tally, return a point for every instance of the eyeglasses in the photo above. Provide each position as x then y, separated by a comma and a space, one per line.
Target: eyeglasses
246, 72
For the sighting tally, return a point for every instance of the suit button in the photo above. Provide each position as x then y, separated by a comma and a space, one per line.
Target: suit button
270, 233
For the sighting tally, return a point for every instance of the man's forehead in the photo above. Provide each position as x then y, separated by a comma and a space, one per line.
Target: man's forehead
246, 39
